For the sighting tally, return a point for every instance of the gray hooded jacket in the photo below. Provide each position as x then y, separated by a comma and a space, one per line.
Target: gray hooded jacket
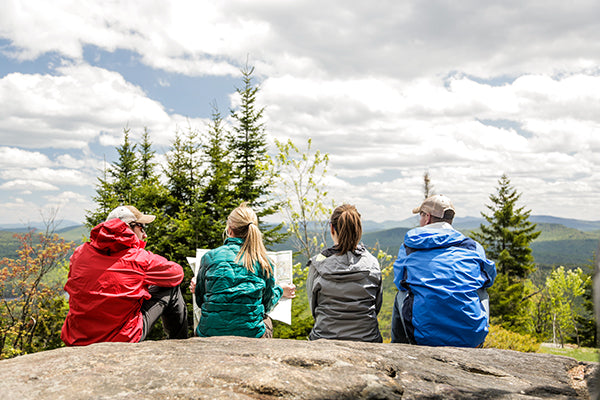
345, 295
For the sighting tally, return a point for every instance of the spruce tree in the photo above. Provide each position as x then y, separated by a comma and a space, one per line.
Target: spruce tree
249, 144
217, 198
250, 159
149, 194
117, 184
506, 239
125, 172
146, 158
183, 170
180, 236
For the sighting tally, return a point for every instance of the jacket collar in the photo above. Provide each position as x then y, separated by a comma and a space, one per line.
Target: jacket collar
360, 248
234, 240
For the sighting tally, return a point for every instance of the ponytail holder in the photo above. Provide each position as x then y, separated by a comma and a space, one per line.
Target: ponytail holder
250, 223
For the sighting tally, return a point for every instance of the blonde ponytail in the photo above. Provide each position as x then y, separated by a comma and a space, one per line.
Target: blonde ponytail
244, 224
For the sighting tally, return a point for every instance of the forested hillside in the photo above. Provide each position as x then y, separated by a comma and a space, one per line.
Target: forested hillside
556, 245
8, 244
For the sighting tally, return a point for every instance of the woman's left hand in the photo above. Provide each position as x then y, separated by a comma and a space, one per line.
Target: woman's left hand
289, 290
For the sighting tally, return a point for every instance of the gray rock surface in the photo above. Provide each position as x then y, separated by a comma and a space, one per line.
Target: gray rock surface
240, 368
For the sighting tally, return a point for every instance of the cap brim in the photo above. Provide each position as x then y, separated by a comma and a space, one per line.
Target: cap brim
416, 210
146, 219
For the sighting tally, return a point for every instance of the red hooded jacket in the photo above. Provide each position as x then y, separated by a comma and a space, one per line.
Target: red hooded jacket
108, 281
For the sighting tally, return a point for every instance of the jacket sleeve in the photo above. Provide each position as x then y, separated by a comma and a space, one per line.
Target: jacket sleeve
379, 298
487, 266
162, 272
399, 267
310, 287
200, 289
272, 293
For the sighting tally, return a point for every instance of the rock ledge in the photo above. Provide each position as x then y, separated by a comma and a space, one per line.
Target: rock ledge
241, 368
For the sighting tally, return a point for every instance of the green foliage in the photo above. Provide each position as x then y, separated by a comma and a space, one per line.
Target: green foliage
183, 171
567, 252
146, 162
217, 196
564, 289
8, 245
509, 233
248, 146
585, 354
500, 338
586, 321
53, 312
388, 241
116, 186
304, 196
33, 305
561, 307
301, 179
507, 240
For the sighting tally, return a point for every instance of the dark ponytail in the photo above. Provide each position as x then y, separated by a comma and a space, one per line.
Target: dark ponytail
345, 221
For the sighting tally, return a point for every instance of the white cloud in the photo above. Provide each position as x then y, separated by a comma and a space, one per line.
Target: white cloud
55, 176
27, 186
14, 157
465, 90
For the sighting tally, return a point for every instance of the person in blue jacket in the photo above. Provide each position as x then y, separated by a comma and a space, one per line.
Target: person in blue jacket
441, 276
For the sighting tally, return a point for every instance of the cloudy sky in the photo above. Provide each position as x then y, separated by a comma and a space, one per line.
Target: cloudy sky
390, 89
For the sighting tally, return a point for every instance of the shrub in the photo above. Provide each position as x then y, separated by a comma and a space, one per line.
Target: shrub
500, 338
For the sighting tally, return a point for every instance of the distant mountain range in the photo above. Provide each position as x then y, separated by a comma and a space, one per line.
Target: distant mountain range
563, 241
470, 223
461, 223
25, 226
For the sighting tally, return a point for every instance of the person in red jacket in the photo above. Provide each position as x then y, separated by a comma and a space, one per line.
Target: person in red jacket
117, 290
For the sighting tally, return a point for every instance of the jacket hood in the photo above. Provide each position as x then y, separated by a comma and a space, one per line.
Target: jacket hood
428, 237
354, 265
114, 236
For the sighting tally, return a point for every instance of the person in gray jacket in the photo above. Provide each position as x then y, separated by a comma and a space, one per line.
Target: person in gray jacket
344, 284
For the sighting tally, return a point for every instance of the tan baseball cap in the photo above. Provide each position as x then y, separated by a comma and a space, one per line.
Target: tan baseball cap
129, 214
435, 205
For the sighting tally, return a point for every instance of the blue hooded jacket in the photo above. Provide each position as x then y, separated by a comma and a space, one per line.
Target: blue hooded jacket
442, 270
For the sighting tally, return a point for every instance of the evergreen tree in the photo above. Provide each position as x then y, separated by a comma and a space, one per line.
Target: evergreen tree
249, 144
179, 238
146, 158
105, 198
183, 170
217, 198
125, 172
248, 148
149, 194
586, 322
118, 182
507, 240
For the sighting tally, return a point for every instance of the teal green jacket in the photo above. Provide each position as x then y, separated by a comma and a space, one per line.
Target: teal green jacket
233, 300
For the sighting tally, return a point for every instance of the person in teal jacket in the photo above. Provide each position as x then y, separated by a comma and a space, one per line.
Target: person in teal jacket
235, 287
